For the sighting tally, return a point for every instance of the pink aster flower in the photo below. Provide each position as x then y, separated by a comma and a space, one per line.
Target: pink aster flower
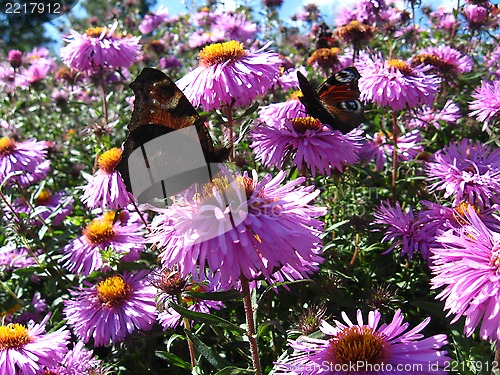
15, 58
466, 264
26, 157
445, 59
380, 147
426, 116
279, 229
57, 206
99, 48
476, 15
13, 257
443, 19
235, 27
230, 75
394, 83
77, 361
467, 171
309, 144
402, 230
392, 349
26, 349
153, 20
115, 307
486, 106
106, 188
122, 237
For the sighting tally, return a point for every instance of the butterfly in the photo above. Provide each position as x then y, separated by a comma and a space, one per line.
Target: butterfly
335, 103
160, 108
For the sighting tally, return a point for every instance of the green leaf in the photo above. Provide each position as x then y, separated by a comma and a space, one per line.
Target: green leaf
173, 359
229, 295
205, 318
208, 353
231, 370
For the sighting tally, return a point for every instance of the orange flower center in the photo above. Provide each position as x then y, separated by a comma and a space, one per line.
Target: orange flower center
355, 344
14, 336
113, 291
400, 65
100, 230
303, 124
94, 32
6, 146
219, 53
43, 197
109, 159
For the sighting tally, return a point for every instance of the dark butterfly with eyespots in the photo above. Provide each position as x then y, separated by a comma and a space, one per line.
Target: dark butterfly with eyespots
335, 103
160, 108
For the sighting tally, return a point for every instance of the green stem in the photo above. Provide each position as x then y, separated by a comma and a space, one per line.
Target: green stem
247, 302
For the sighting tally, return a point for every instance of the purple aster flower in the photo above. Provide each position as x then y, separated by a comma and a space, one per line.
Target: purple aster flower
26, 349
367, 348
402, 230
58, 206
200, 233
77, 361
201, 38
35, 73
235, 27
99, 48
13, 257
36, 310
309, 144
476, 15
486, 105
26, 157
394, 83
105, 236
153, 20
230, 75
170, 62
426, 116
288, 79
466, 264
115, 307
106, 189
443, 19
15, 58
381, 147
467, 171
445, 59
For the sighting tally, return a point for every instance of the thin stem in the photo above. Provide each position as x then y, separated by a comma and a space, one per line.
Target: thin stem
247, 302
140, 215
13, 295
104, 100
230, 126
190, 343
395, 133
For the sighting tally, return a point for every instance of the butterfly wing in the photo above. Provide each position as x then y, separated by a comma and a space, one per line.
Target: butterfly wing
336, 102
160, 107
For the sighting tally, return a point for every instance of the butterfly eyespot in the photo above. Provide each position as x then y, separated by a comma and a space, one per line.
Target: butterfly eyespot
345, 76
350, 105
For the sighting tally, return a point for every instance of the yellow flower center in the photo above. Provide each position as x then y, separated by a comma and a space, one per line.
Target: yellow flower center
433, 60
356, 31
94, 32
100, 230
14, 336
324, 57
113, 291
302, 124
109, 159
6, 145
400, 65
43, 197
355, 344
461, 212
219, 53
295, 95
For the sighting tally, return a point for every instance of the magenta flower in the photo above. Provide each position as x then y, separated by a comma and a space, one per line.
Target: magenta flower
115, 307
443, 19
27, 349
394, 83
476, 15
308, 143
367, 348
446, 59
426, 116
486, 106
13, 257
380, 147
58, 207
200, 233
122, 237
230, 75
15, 58
26, 157
402, 230
106, 188
77, 361
234, 27
466, 171
99, 48
153, 20
466, 264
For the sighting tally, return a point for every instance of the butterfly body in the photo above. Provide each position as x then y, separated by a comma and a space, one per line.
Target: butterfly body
335, 103
160, 108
